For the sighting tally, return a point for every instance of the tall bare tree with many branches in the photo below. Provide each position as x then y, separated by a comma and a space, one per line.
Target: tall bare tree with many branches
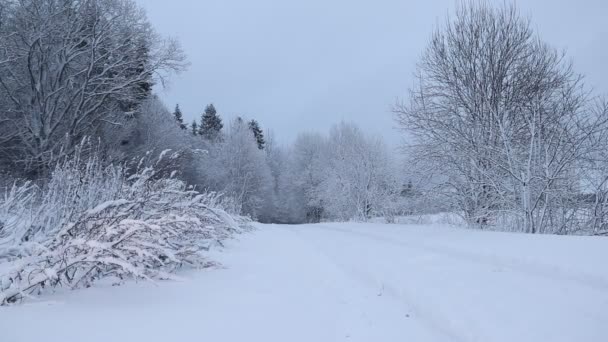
503, 118
68, 67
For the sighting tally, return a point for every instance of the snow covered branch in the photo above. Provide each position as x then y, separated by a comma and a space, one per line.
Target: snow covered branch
105, 223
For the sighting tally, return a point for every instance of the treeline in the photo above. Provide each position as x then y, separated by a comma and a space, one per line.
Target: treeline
501, 129
345, 175
75, 70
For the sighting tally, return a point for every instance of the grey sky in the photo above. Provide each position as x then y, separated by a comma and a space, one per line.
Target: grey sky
304, 65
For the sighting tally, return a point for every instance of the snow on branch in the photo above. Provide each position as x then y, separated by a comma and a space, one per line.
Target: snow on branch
102, 223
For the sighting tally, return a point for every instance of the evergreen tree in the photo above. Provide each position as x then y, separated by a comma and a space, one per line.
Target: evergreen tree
254, 126
177, 114
194, 128
211, 125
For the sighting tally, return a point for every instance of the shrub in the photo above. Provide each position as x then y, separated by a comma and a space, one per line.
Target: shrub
93, 221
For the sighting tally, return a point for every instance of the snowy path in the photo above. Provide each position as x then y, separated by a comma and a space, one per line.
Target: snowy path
350, 282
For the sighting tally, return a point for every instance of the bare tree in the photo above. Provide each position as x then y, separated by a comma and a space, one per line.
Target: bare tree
68, 67
359, 182
503, 117
301, 184
240, 170
595, 175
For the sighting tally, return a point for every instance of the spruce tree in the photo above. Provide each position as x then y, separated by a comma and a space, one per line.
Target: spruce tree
177, 114
194, 128
211, 124
254, 126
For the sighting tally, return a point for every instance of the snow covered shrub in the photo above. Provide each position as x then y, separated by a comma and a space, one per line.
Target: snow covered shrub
75, 186
94, 221
14, 211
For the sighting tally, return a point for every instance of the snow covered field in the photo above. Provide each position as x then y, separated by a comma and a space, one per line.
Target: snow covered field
349, 282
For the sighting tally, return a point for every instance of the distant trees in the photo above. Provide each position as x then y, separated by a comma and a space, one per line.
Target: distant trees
277, 160
254, 126
245, 174
360, 180
211, 124
177, 114
151, 130
194, 128
301, 183
233, 163
505, 121
68, 68
344, 176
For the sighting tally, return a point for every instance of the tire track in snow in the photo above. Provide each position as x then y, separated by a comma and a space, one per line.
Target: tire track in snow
430, 319
521, 266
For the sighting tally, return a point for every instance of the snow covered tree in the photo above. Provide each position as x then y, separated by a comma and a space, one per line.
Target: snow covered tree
277, 161
236, 167
503, 118
244, 172
341, 177
211, 124
177, 114
194, 128
154, 130
254, 126
68, 68
302, 180
360, 178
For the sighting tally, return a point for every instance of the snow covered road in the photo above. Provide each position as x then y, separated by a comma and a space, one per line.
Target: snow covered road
350, 282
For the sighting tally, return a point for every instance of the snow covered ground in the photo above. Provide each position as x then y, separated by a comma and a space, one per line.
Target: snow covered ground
349, 282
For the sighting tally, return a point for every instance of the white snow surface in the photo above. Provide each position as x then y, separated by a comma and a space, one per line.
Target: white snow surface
349, 282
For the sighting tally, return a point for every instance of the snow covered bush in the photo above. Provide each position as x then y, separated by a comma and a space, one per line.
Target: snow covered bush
14, 207
94, 221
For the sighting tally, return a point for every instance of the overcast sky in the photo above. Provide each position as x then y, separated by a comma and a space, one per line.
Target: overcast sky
304, 65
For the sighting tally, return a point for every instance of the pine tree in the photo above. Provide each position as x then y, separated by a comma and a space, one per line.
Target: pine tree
254, 126
211, 125
177, 114
194, 128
